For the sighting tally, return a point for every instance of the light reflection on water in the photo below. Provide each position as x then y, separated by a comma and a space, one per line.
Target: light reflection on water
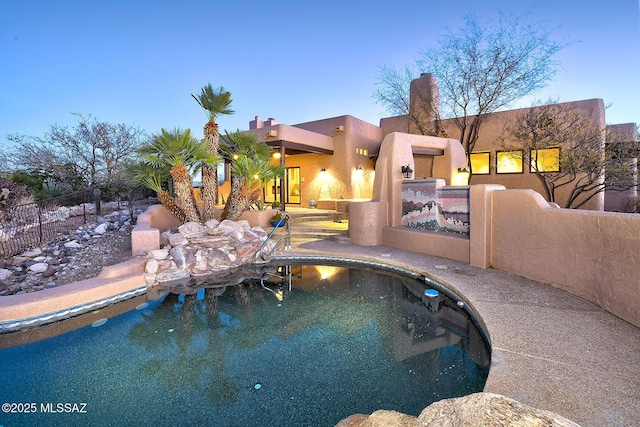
311, 346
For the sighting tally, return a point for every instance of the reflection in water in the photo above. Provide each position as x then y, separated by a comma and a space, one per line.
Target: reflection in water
292, 345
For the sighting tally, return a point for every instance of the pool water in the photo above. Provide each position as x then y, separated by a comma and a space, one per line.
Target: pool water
309, 346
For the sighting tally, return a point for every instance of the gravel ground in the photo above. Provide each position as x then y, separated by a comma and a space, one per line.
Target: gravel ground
85, 259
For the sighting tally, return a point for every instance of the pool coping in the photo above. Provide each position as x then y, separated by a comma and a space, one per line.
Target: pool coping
550, 349
114, 284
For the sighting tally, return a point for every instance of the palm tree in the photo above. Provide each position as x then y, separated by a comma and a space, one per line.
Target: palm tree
152, 178
250, 171
214, 102
181, 152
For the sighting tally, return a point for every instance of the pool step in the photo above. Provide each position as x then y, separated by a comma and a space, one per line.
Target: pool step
327, 225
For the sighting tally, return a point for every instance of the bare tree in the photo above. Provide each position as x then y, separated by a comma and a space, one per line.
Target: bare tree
565, 148
95, 149
480, 69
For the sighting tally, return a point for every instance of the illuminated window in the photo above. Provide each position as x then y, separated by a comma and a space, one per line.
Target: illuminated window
509, 162
545, 160
362, 151
480, 163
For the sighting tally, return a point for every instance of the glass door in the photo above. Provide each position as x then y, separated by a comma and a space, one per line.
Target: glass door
291, 186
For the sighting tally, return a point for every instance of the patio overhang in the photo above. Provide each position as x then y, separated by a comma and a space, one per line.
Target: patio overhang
294, 140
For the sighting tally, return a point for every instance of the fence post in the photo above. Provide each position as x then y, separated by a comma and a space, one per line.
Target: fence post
40, 230
96, 200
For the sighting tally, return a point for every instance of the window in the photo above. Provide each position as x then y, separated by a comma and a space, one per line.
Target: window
362, 151
480, 163
509, 162
545, 160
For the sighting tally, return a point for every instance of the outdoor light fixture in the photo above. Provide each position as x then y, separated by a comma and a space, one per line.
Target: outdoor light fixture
276, 155
358, 168
407, 171
323, 170
463, 176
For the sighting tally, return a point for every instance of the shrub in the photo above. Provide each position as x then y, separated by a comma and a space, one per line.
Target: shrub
12, 194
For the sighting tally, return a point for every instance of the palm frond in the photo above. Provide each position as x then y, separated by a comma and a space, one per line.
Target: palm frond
214, 101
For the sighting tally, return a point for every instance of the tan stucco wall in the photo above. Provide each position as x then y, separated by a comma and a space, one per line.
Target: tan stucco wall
396, 151
595, 255
493, 128
340, 180
444, 245
623, 201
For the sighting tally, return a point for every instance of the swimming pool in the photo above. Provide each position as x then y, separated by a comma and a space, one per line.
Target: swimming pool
306, 345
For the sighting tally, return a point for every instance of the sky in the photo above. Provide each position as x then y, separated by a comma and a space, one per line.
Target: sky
138, 62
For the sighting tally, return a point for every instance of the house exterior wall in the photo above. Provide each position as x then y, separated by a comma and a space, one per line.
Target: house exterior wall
493, 128
623, 201
351, 137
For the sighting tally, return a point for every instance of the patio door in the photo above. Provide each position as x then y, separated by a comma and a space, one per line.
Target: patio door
291, 188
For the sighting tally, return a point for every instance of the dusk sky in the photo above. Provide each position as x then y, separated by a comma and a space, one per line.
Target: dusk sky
138, 62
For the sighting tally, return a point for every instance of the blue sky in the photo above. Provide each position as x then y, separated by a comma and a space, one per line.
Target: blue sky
137, 62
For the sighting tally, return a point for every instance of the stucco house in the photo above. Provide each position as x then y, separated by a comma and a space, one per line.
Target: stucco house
333, 161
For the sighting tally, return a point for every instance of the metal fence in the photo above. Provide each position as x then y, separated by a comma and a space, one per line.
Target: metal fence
27, 226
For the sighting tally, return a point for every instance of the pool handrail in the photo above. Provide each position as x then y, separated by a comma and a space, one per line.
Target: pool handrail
287, 244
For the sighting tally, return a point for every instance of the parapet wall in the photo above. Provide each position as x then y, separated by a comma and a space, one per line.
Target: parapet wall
594, 255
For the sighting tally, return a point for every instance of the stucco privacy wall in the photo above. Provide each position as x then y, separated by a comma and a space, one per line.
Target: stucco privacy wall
594, 255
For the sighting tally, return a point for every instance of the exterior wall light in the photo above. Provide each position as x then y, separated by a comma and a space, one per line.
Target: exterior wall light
407, 171
358, 168
323, 170
462, 177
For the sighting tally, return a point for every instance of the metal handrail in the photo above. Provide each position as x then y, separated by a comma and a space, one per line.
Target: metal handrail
287, 245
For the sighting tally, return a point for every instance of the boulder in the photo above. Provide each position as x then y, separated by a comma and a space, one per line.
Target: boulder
487, 410
381, 418
475, 410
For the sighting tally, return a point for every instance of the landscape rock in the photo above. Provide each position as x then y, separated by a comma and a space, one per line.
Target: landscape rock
159, 254
177, 239
151, 267
39, 267
192, 229
204, 251
50, 271
73, 256
5, 274
381, 418
102, 228
475, 410
32, 253
73, 244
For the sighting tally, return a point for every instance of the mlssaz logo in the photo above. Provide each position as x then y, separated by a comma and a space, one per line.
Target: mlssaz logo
79, 408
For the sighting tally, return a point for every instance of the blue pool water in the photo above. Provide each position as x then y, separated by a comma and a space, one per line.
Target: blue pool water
309, 347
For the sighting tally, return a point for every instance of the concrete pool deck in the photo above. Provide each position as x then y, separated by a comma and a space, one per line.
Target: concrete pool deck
551, 350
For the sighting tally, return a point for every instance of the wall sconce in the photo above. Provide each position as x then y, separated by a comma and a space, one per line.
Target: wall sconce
276, 155
358, 168
323, 170
463, 176
407, 171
